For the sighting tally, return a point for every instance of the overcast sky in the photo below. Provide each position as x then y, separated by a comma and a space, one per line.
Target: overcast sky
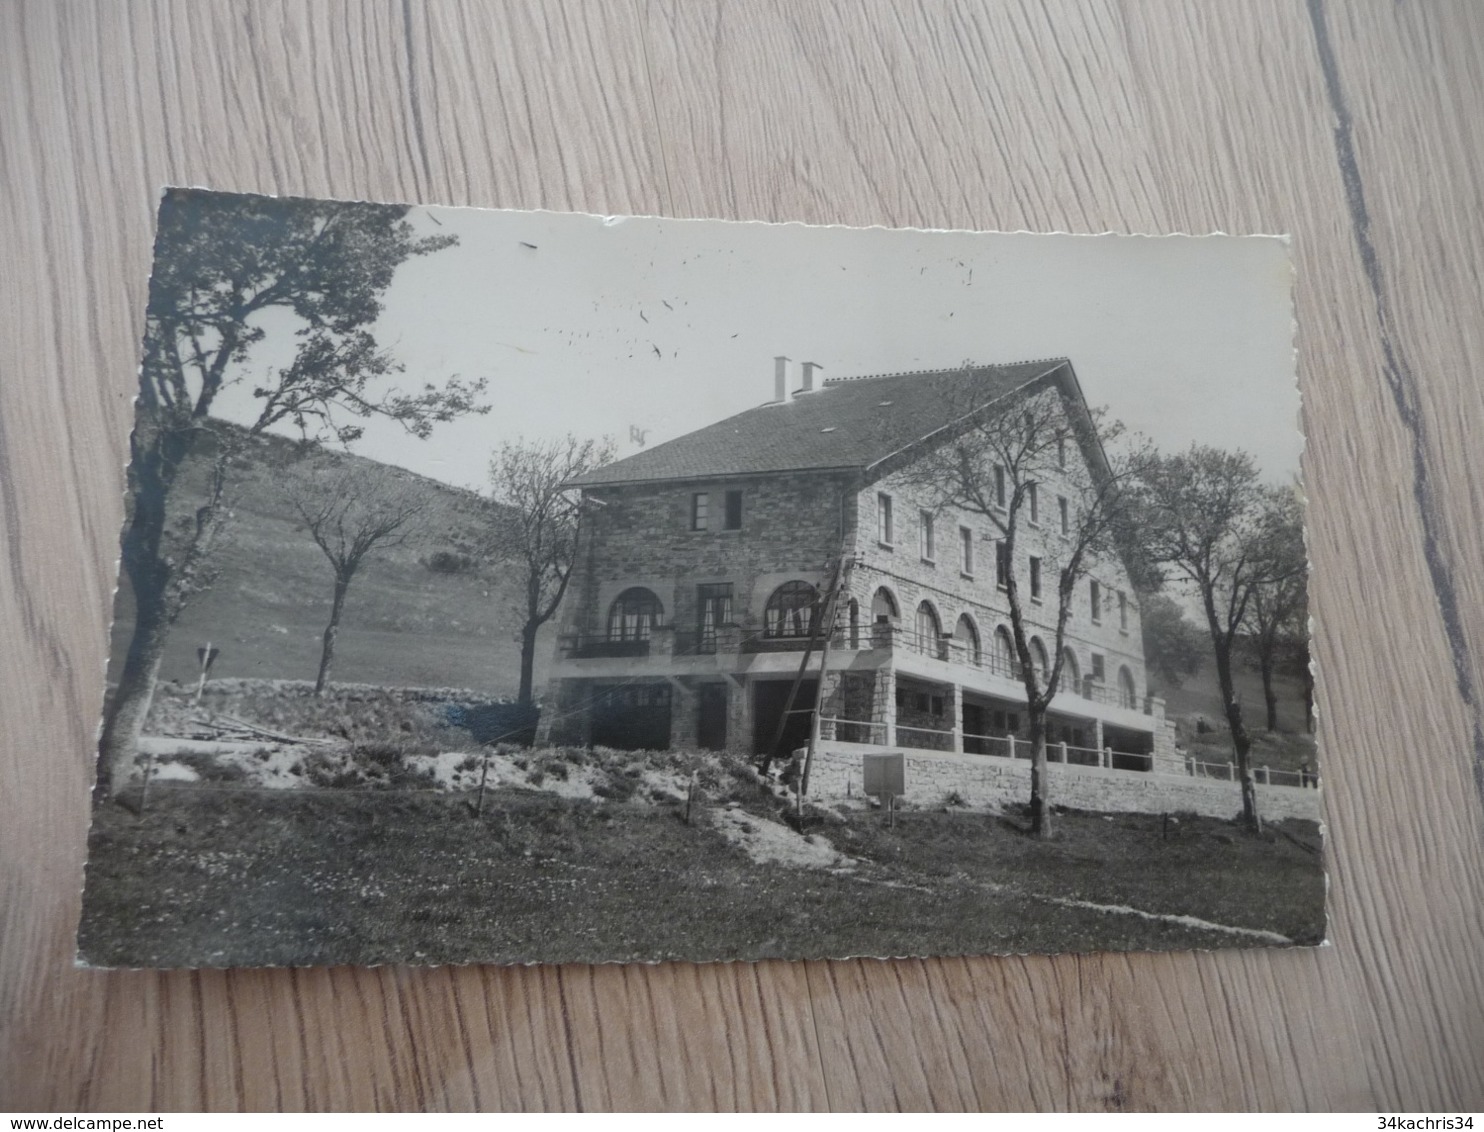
595, 326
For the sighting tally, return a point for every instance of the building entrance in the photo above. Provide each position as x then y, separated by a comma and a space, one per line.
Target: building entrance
769, 697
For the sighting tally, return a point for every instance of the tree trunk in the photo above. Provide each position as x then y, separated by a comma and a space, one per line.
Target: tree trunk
124, 721
1241, 741
332, 630
528, 662
1269, 696
1308, 680
1040, 801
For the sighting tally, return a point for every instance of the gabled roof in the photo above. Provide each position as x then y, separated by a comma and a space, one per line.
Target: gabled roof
849, 423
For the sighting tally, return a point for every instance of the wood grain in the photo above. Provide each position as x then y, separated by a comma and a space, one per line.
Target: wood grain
1044, 116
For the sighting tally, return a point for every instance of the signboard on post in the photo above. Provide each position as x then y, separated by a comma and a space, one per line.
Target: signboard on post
886, 777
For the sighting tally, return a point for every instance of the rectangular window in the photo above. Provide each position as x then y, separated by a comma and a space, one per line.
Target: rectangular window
966, 543
734, 511
925, 536
1002, 565
937, 705
1061, 450
883, 518
999, 486
1123, 611
1035, 578
1097, 666
713, 610
1063, 514
1096, 592
1031, 497
700, 504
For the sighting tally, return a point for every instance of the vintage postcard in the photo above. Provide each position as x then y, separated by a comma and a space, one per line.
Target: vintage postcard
504, 587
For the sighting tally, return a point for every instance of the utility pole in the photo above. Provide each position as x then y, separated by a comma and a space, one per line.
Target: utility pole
823, 623
842, 582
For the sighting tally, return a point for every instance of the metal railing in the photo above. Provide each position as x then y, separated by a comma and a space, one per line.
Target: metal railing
582, 646
832, 728
1263, 775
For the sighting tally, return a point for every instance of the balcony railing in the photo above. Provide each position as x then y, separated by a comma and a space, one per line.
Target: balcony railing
579, 647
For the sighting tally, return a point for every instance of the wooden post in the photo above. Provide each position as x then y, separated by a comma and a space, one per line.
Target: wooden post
1063, 748
483, 777
206, 659
690, 796
1010, 743
149, 765
827, 621
793, 691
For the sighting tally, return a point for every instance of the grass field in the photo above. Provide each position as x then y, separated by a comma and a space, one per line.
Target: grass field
404, 623
215, 877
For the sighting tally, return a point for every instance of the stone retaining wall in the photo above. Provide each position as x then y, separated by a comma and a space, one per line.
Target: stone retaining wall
988, 780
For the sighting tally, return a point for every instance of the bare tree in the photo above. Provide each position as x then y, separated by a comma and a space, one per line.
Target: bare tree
226, 268
352, 508
1009, 458
533, 526
1206, 515
1280, 608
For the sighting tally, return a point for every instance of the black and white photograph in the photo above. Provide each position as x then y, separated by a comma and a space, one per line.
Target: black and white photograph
530, 587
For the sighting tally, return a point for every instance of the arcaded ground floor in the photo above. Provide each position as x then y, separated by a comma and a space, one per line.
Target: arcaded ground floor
753, 714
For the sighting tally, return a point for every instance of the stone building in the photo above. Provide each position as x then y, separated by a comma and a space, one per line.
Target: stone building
701, 564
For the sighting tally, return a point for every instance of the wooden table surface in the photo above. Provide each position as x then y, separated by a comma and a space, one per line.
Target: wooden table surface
1356, 126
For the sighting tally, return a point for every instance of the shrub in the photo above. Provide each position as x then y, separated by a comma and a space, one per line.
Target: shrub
449, 562
617, 789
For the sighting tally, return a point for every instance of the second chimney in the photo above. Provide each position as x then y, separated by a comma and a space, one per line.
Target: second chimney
780, 378
809, 368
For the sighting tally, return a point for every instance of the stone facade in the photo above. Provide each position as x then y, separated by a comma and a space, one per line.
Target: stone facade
903, 569
689, 544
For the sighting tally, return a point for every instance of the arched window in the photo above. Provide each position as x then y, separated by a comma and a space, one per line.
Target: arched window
884, 607
633, 614
1128, 694
966, 633
1071, 676
790, 611
1004, 653
929, 631
1039, 662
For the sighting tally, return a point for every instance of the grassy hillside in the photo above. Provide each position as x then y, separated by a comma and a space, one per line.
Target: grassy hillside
404, 623
1285, 749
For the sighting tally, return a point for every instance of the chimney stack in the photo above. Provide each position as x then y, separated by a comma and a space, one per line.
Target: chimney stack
780, 378
809, 368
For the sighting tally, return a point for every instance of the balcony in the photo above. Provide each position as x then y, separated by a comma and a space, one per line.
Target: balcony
954, 650
583, 647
